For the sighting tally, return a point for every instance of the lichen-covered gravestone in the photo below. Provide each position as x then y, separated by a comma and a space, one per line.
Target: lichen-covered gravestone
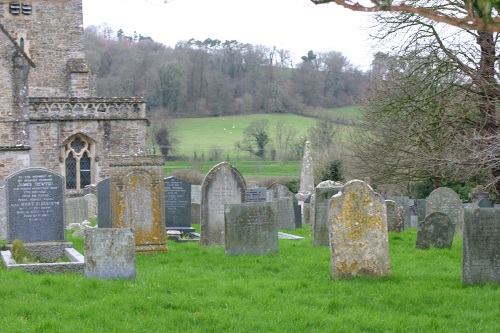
138, 199
222, 185
481, 246
323, 193
109, 253
251, 228
395, 221
358, 232
445, 200
436, 230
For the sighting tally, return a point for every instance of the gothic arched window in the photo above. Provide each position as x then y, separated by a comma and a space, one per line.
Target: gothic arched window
78, 159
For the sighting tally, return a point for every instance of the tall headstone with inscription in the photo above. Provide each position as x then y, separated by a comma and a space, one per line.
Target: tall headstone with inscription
285, 213
138, 199
222, 185
104, 204
251, 228
446, 201
323, 193
481, 246
359, 242
394, 217
109, 253
306, 176
35, 206
178, 204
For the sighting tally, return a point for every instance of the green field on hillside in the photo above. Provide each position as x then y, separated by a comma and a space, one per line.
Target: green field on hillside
199, 137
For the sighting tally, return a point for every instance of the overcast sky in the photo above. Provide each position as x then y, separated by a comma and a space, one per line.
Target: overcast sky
294, 25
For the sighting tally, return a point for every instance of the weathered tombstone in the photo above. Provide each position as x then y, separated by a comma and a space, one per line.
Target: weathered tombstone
436, 230
394, 217
92, 205
138, 199
320, 230
285, 213
178, 204
109, 253
445, 200
104, 204
484, 203
481, 246
35, 206
358, 232
251, 228
478, 193
195, 204
297, 212
77, 210
222, 185
281, 191
256, 194
420, 208
306, 176
404, 202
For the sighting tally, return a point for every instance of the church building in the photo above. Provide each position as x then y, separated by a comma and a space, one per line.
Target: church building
50, 115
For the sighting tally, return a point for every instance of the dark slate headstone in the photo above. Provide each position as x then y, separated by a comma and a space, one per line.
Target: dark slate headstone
104, 204
484, 203
320, 230
481, 246
436, 230
251, 228
178, 204
394, 217
109, 253
257, 194
297, 212
35, 206
222, 185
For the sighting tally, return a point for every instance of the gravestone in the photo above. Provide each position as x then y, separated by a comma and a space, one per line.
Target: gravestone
195, 204
104, 204
478, 193
481, 246
484, 203
297, 212
445, 200
35, 206
320, 228
420, 208
436, 230
178, 204
92, 205
251, 228
222, 185
394, 217
109, 253
358, 232
281, 191
256, 194
306, 176
285, 213
138, 199
77, 210
404, 202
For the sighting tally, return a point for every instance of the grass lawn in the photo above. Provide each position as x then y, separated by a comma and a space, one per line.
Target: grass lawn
200, 289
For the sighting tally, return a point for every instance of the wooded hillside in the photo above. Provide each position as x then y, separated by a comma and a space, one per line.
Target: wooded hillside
213, 77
